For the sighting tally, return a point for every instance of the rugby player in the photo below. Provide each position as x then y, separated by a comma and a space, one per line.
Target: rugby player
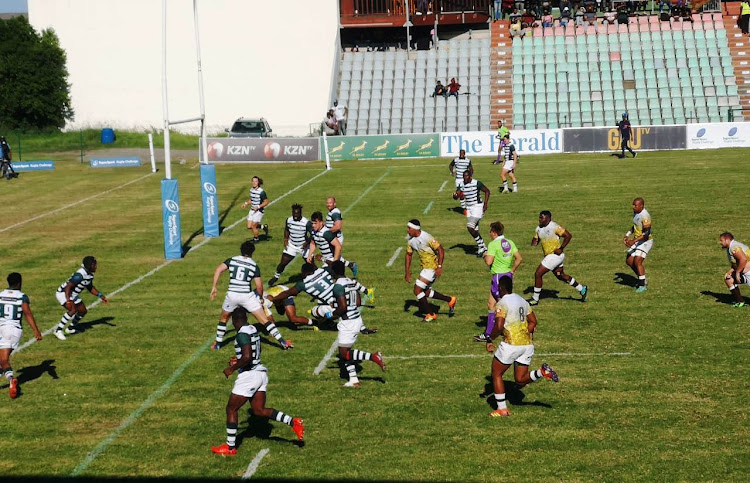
510, 160
501, 132
347, 295
243, 273
284, 307
257, 203
328, 244
457, 168
517, 322
640, 244
68, 296
549, 233
334, 219
503, 258
431, 256
738, 254
296, 239
251, 384
475, 209
13, 305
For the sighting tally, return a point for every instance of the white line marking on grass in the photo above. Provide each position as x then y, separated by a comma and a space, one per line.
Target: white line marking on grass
326, 358
253, 467
72, 204
428, 207
394, 257
142, 277
137, 413
548, 354
369, 188
443, 186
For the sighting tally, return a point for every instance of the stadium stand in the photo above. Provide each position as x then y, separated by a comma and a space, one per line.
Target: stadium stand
659, 72
389, 92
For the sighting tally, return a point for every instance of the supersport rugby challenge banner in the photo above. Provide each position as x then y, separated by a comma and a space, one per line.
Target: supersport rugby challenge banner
385, 146
266, 150
718, 135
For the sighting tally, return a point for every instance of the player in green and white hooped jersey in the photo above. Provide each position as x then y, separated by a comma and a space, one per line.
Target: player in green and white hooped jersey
457, 168
243, 273
68, 296
335, 223
347, 307
318, 283
13, 305
475, 207
251, 383
328, 244
257, 202
296, 240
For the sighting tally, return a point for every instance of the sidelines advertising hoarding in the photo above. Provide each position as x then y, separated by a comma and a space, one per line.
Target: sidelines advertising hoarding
263, 150
210, 200
603, 139
170, 208
485, 143
387, 146
718, 135
115, 162
32, 165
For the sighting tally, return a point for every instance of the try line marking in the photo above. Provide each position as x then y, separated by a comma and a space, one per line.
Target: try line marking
442, 186
253, 466
72, 204
426, 210
166, 263
394, 257
543, 354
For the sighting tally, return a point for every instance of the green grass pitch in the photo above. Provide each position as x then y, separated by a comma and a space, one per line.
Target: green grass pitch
652, 386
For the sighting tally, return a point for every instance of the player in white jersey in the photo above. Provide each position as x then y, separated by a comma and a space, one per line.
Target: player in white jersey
13, 305
431, 255
549, 233
251, 384
640, 244
328, 243
509, 155
244, 272
471, 190
457, 168
739, 273
297, 232
257, 202
347, 296
68, 295
517, 322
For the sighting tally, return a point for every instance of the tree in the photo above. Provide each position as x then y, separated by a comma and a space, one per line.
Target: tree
34, 89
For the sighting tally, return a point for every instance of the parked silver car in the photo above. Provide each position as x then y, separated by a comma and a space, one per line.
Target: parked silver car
246, 127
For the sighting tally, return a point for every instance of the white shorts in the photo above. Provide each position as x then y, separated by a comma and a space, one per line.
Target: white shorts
10, 336
250, 382
60, 296
293, 251
552, 261
641, 250
255, 216
509, 165
348, 331
249, 301
459, 181
427, 274
473, 215
520, 354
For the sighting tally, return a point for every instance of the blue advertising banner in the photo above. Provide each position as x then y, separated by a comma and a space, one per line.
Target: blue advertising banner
170, 208
210, 200
115, 162
33, 165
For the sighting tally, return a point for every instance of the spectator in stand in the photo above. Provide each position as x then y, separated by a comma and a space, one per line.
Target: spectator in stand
580, 14
535, 8
590, 17
422, 7
498, 8
548, 20
330, 125
564, 16
439, 90
610, 17
453, 88
622, 14
514, 16
664, 5
507, 8
340, 113
744, 20
516, 30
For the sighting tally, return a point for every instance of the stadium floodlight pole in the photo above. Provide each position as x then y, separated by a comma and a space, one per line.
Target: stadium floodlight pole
204, 144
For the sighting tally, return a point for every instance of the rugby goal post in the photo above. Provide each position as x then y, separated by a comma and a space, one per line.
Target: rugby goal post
169, 186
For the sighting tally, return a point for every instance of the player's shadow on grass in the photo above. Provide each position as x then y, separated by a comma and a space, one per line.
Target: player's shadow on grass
547, 294
513, 395
411, 303
468, 249
482, 322
84, 326
722, 298
625, 279
456, 209
30, 373
262, 428
344, 374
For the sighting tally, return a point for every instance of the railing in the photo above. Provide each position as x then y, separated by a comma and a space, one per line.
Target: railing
397, 7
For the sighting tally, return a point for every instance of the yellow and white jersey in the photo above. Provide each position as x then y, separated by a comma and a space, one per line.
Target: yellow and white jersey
735, 247
514, 309
549, 237
426, 247
272, 292
640, 221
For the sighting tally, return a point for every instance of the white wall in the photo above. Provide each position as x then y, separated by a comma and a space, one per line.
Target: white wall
260, 58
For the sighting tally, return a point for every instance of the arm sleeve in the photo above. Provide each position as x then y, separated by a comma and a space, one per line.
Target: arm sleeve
329, 236
263, 196
339, 291
434, 244
300, 285
25, 299
559, 230
480, 185
336, 216
227, 261
76, 278
243, 339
